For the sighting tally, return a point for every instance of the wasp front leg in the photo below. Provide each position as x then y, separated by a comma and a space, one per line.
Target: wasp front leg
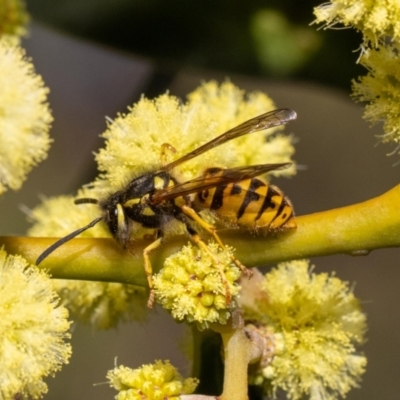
212, 230
149, 270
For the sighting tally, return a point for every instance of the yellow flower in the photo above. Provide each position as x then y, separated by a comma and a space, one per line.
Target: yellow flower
134, 140
24, 117
13, 19
158, 381
191, 287
315, 322
380, 88
33, 328
375, 19
103, 305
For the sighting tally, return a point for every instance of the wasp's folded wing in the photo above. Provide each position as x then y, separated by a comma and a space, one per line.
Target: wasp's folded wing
222, 177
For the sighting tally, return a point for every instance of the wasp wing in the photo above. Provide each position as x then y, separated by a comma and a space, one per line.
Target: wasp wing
223, 177
263, 121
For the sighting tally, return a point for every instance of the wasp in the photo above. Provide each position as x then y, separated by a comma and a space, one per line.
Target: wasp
236, 196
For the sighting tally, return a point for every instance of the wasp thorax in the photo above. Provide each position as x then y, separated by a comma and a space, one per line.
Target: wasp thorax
145, 185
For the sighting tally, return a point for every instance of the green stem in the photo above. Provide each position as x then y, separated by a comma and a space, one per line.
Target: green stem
355, 230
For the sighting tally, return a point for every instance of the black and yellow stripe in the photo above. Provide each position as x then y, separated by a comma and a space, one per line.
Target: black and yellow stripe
251, 203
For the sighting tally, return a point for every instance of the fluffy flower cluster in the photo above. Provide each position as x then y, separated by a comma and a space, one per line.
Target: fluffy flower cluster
375, 19
380, 88
24, 117
158, 381
101, 304
191, 286
33, 329
134, 140
378, 21
315, 321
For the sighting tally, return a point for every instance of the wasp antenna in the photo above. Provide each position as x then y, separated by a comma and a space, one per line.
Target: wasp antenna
65, 239
86, 200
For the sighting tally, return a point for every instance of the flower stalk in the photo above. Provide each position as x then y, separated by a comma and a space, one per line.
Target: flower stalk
239, 351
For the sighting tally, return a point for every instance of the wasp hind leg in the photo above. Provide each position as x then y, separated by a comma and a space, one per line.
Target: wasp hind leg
211, 229
199, 242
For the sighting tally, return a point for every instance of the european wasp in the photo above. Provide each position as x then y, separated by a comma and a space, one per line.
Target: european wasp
234, 195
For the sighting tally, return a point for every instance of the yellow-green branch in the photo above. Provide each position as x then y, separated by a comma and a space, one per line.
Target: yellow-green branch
356, 229
237, 354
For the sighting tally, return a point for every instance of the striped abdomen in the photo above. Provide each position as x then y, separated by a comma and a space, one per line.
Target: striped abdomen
251, 203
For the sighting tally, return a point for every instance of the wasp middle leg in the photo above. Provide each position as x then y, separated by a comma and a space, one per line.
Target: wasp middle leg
199, 242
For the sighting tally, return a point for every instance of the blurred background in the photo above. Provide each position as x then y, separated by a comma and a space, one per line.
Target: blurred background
98, 57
